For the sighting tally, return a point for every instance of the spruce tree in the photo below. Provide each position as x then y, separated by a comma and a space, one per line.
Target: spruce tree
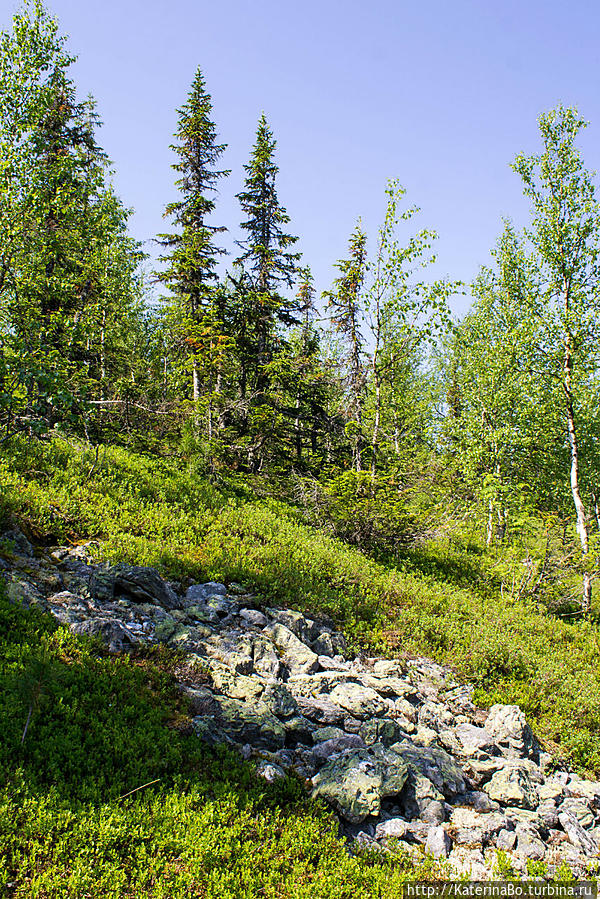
345, 303
193, 254
267, 260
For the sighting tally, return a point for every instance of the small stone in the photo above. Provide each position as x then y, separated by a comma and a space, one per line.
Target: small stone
269, 772
253, 618
396, 828
438, 842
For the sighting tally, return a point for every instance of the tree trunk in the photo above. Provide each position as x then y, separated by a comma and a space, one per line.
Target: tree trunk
298, 431
376, 421
490, 524
582, 528
195, 380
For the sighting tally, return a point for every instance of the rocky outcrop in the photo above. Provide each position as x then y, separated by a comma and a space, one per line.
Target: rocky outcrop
395, 747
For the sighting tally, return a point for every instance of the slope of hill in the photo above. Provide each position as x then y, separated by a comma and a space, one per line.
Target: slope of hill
64, 796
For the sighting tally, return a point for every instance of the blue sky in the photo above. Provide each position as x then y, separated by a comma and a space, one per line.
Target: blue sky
438, 94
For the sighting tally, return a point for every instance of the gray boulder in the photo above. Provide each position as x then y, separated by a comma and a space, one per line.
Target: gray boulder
381, 730
110, 630
301, 627
577, 835
296, 656
529, 843
438, 843
356, 781
512, 785
320, 709
18, 542
199, 593
361, 702
326, 749
329, 644
253, 618
508, 728
474, 741
139, 583
436, 765
250, 722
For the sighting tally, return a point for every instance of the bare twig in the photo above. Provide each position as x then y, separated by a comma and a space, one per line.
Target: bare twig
131, 792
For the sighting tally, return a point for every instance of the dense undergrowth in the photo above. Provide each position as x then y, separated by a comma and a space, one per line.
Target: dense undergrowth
102, 726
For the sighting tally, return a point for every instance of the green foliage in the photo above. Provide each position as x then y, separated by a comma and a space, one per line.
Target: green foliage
446, 597
108, 793
68, 270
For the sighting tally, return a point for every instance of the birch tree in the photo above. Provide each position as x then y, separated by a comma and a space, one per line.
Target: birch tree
565, 235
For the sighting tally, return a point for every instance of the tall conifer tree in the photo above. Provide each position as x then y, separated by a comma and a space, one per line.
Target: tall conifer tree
267, 258
345, 302
193, 254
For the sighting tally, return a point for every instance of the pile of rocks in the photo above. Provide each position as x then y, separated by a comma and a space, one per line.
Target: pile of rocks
396, 747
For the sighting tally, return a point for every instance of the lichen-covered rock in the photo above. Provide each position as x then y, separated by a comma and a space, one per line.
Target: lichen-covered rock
253, 618
320, 709
199, 593
470, 740
297, 657
188, 637
329, 644
381, 730
302, 628
356, 781
351, 784
577, 835
238, 686
436, 765
279, 700
512, 785
361, 702
140, 583
18, 542
250, 722
529, 843
326, 749
508, 727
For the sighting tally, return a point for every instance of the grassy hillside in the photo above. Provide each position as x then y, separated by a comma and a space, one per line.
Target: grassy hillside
441, 600
204, 827
104, 726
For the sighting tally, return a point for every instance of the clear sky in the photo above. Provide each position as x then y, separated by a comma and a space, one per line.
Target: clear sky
440, 93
